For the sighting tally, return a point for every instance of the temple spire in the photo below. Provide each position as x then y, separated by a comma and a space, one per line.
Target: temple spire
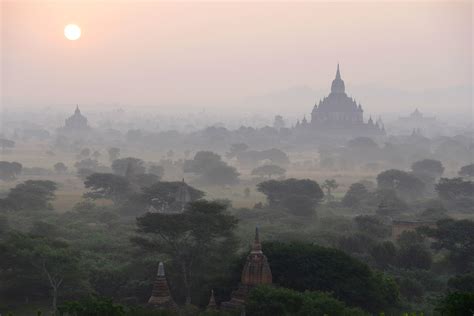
338, 84
338, 73
161, 270
77, 111
257, 246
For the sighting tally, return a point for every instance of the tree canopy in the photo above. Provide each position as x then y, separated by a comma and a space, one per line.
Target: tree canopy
303, 266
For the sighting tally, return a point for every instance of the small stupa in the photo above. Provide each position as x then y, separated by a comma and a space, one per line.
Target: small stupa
160, 296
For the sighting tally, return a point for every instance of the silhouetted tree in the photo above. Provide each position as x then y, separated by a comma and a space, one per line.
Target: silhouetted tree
193, 239
32, 195
355, 196
268, 170
467, 171
128, 167
9, 170
457, 238
329, 185
404, 183
60, 167
107, 186
278, 191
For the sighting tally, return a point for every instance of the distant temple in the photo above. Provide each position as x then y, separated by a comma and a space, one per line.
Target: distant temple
76, 123
256, 272
340, 114
160, 296
418, 117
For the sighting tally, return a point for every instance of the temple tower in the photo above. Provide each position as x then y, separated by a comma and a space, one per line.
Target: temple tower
160, 295
256, 272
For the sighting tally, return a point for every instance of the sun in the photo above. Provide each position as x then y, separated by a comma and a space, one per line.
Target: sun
72, 32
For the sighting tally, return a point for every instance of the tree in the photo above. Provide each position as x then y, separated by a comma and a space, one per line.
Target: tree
384, 254
203, 161
414, 256
456, 304
389, 204
268, 170
372, 225
51, 262
203, 232
156, 170
32, 195
236, 149
467, 171
457, 238
278, 191
411, 289
267, 301
220, 175
212, 170
60, 167
114, 153
107, 186
462, 282
355, 196
145, 179
92, 306
9, 170
455, 188
329, 185
299, 205
83, 173
429, 167
405, 184
304, 266
362, 144
87, 164
128, 167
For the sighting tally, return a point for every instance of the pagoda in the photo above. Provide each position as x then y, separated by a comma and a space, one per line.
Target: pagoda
76, 123
160, 296
256, 272
340, 114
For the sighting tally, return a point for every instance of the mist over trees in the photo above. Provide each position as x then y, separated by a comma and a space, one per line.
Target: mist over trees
350, 225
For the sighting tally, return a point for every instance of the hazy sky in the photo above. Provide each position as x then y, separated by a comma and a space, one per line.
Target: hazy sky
156, 53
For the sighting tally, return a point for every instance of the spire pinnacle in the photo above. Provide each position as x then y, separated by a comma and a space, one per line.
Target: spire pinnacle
338, 73
257, 246
161, 269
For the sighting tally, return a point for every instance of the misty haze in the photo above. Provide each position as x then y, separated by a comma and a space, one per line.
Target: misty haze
236, 158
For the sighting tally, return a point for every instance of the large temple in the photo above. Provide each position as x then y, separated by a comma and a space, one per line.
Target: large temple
76, 123
340, 114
